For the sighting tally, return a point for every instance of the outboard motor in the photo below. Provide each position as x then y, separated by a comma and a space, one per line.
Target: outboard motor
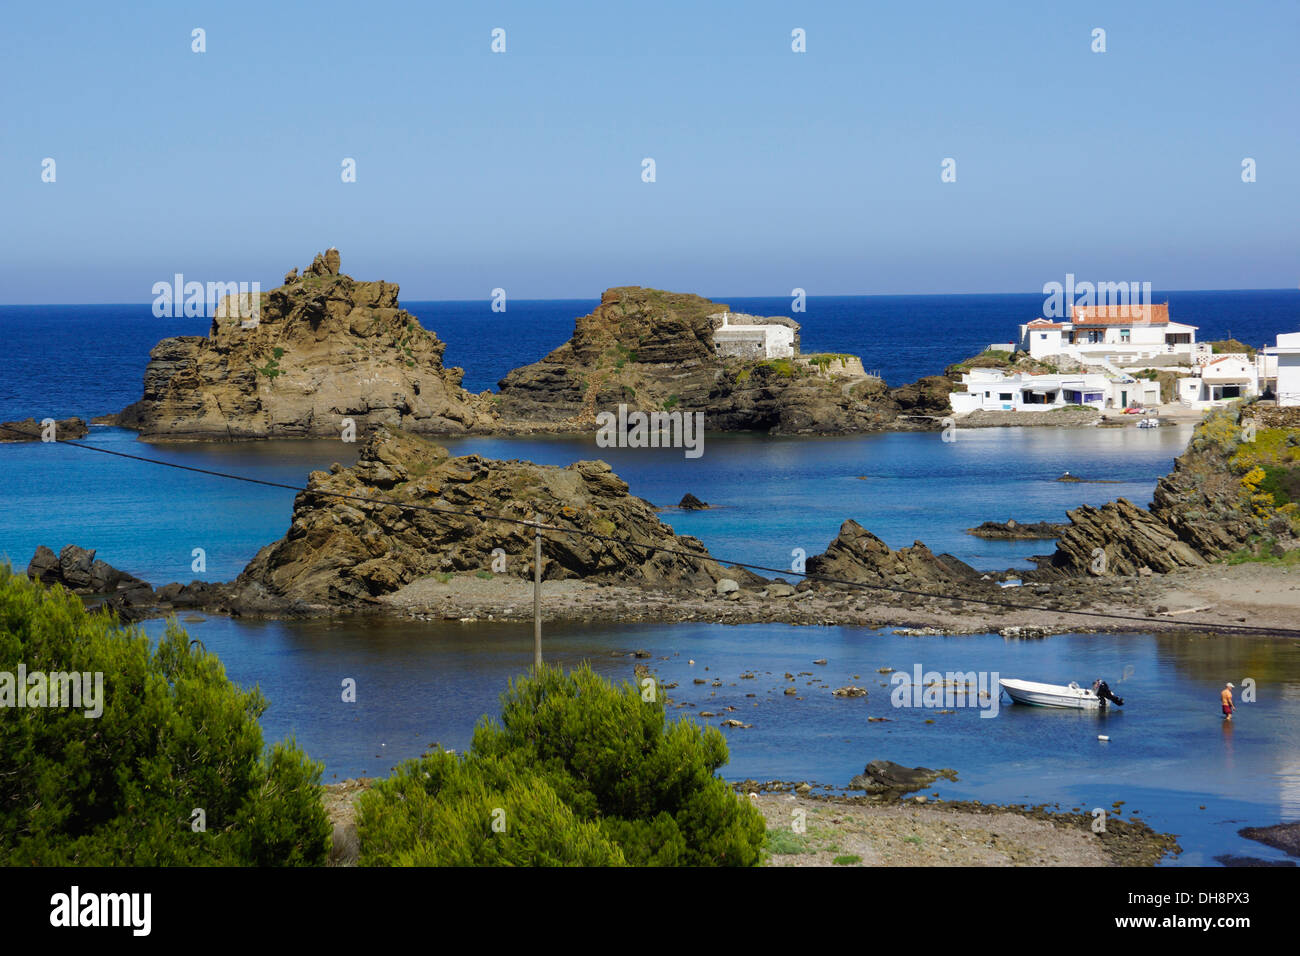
1102, 690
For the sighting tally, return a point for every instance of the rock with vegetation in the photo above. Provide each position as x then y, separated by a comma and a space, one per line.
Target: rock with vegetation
324, 348
653, 351
346, 553
120, 788
1234, 492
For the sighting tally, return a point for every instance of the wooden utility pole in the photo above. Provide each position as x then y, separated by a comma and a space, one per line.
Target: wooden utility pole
537, 597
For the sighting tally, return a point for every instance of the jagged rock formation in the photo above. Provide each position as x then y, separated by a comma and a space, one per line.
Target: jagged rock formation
858, 555
653, 350
1120, 538
324, 348
1211, 505
29, 429
347, 553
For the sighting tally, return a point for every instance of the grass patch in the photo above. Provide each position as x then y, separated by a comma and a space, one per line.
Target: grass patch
847, 860
1289, 559
788, 843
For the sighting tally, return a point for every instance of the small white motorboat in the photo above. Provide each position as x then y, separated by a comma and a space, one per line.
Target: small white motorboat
1058, 695
1149, 423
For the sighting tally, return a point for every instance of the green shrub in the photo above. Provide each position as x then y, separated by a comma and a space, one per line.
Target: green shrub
444, 810
1282, 482
174, 735
615, 766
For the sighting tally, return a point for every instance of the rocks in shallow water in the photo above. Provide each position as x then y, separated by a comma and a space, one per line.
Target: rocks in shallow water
690, 503
1228, 859
77, 570
886, 777
858, 555
1282, 836
1026, 632
29, 429
849, 691
1013, 530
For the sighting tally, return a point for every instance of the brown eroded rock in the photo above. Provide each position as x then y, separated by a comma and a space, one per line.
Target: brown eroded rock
324, 348
858, 555
347, 553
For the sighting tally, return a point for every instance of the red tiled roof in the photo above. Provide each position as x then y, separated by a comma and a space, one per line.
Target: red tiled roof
1086, 315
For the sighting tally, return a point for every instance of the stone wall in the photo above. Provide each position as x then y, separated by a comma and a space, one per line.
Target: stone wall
1273, 416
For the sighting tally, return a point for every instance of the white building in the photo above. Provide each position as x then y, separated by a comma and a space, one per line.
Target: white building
754, 337
990, 389
1114, 332
1220, 379
1287, 353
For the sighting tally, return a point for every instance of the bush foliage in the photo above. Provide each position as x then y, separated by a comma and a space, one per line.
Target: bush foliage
174, 735
576, 772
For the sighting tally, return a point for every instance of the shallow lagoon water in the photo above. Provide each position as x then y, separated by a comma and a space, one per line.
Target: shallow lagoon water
1169, 751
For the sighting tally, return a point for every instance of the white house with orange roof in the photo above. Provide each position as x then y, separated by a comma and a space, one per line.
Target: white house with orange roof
1105, 332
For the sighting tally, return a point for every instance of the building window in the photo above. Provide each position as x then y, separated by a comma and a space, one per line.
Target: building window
1004, 396
1124, 335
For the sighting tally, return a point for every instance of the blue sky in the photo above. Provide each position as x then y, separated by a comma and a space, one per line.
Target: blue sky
522, 170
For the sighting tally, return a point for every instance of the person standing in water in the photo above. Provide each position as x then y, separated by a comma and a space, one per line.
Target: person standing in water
1225, 697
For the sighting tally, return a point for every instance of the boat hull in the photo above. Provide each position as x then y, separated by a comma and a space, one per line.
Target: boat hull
1051, 695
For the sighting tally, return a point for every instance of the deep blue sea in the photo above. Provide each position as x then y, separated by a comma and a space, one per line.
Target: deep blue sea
86, 360
1168, 755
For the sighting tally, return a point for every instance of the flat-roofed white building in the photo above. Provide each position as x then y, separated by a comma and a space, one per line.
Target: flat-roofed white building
755, 337
1223, 378
1287, 352
995, 390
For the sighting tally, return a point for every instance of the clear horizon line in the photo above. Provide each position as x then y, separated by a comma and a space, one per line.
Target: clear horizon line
717, 298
